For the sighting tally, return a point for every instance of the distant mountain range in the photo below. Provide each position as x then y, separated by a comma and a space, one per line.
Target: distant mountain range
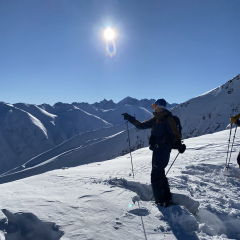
98, 107
145, 103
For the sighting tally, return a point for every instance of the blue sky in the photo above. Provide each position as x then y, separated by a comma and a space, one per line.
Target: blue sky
53, 51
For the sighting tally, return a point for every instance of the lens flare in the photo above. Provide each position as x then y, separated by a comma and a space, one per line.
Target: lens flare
109, 35
111, 48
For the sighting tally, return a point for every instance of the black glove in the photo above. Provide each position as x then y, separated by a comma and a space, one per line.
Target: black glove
129, 118
181, 147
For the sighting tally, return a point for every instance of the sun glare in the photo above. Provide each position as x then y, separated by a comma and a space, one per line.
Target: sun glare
109, 34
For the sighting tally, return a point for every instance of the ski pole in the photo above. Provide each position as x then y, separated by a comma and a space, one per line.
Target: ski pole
229, 143
232, 147
172, 164
130, 148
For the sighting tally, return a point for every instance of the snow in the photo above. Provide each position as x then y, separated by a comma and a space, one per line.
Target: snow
102, 200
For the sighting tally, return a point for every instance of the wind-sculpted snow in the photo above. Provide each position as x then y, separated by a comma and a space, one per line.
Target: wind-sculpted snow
209, 112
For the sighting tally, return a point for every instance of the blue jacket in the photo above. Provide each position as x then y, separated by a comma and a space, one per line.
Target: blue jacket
238, 122
163, 126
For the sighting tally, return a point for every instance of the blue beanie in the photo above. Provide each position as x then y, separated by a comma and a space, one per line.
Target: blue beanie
161, 102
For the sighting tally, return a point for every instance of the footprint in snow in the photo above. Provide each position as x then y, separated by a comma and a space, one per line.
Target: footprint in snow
117, 225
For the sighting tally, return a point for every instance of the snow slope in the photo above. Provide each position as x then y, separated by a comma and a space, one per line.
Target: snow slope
27, 130
22, 136
209, 112
99, 200
88, 147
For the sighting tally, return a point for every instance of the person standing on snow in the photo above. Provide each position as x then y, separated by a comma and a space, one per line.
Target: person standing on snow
236, 120
164, 134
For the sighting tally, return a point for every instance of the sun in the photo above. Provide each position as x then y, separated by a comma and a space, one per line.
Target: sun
109, 34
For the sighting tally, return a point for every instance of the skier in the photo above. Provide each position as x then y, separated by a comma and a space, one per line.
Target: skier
164, 134
236, 120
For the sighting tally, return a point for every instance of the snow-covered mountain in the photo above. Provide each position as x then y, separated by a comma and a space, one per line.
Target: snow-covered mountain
102, 200
209, 112
27, 130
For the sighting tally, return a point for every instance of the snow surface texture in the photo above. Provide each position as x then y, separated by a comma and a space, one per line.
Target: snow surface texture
102, 200
209, 113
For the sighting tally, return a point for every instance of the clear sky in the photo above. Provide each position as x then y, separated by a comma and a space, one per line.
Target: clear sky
54, 50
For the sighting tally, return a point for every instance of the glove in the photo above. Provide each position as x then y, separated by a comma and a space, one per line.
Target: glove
181, 147
129, 118
235, 118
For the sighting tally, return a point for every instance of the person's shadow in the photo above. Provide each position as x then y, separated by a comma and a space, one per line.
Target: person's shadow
177, 229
